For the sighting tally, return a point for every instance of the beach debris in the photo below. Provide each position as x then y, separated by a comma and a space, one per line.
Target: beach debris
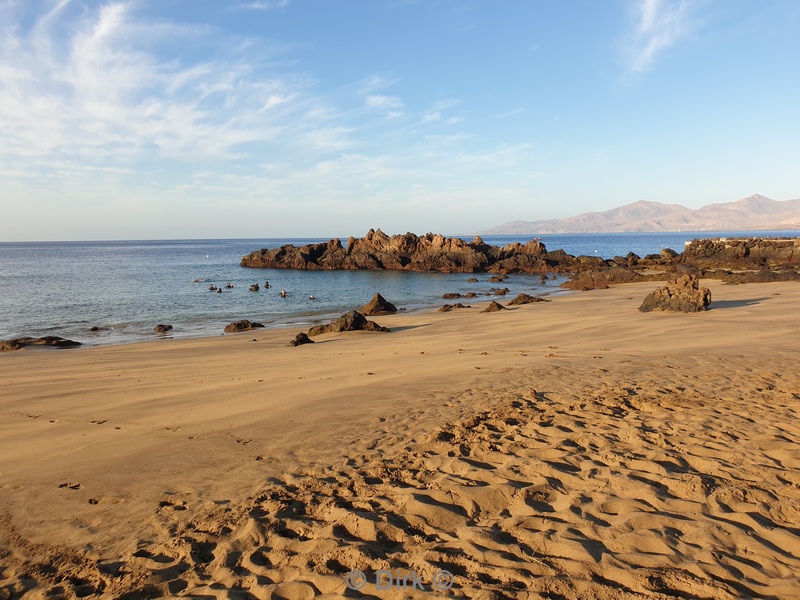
683, 294
300, 339
494, 307
449, 307
351, 321
243, 325
378, 306
526, 299
48, 340
160, 328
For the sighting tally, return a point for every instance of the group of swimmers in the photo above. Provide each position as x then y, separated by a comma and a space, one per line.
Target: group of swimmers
253, 288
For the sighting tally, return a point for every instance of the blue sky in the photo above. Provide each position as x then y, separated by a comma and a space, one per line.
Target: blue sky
267, 118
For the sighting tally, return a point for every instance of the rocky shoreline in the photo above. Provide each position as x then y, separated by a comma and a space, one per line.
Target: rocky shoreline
762, 259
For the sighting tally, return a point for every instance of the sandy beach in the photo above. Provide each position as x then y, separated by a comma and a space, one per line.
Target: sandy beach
569, 449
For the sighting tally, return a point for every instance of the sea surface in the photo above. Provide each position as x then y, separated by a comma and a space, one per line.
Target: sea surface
125, 288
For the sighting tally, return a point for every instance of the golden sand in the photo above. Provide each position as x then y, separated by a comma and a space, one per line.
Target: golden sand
570, 449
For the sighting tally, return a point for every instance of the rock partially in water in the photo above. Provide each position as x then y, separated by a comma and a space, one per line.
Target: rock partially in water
493, 307
378, 306
243, 325
49, 340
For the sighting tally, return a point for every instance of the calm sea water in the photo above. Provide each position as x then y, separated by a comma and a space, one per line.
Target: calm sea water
127, 287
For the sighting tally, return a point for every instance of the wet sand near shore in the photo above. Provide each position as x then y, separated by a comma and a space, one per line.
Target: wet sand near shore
569, 449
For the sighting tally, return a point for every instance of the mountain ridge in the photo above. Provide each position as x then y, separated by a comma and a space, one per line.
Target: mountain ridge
754, 213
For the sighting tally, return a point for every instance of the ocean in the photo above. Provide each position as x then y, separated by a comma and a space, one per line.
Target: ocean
125, 288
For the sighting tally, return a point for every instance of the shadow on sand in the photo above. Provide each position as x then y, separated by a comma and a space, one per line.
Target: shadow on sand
715, 305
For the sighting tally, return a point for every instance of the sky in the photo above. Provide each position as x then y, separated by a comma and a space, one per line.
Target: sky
171, 119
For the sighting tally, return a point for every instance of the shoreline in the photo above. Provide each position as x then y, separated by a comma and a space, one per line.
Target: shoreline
193, 452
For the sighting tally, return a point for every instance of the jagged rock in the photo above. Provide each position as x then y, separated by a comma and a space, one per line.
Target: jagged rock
430, 252
526, 299
300, 339
472, 280
352, 321
162, 328
599, 279
502, 292
683, 294
497, 278
451, 296
48, 340
741, 253
668, 254
470, 295
378, 306
493, 307
449, 307
243, 325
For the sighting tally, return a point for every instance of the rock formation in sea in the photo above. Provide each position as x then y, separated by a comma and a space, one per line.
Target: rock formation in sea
161, 328
449, 307
433, 252
683, 294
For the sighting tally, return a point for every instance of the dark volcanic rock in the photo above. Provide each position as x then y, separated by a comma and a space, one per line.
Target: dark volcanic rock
683, 294
470, 295
449, 307
493, 307
472, 280
378, 306
741, 253
502, 292
243, 325
594, 279
526, 299
352, 321
300, 339
451, 296
430, 252
162, 328
48, 340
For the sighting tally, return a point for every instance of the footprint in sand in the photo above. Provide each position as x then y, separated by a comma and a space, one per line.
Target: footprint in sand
71, 485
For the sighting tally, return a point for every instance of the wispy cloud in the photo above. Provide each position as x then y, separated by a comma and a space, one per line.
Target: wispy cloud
103, 86
658, 25
274, 4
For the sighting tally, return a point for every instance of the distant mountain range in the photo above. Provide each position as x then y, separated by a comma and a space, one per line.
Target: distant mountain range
752, 213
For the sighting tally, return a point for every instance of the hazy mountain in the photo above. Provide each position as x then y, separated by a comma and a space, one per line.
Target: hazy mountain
754, 212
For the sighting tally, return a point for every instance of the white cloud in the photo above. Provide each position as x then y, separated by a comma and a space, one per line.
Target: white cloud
103, 87
264, 5
430, 117
384, 102
659, 24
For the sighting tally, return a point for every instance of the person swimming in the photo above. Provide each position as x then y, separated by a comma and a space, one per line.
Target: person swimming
283, 293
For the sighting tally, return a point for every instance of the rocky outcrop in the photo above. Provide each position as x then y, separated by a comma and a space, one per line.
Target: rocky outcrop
741, 253
526, 299
601, 278
162, 328
243, 325
378, 306
300, 339
48, 340
683, 294
493, 307
430, 252
352, 321
433, 252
